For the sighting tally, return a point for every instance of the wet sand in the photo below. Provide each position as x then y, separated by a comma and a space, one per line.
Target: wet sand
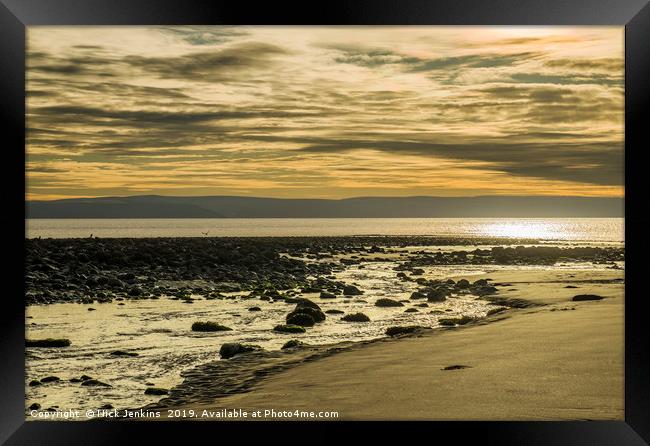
560, 361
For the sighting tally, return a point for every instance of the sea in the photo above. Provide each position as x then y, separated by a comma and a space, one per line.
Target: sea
548, 229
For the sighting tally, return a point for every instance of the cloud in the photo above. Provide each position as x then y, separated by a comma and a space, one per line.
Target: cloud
225, 64
297, 112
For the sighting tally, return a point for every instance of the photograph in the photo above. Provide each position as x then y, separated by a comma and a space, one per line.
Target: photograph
324, 223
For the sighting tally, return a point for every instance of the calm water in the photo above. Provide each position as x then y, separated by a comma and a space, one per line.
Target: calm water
570, 229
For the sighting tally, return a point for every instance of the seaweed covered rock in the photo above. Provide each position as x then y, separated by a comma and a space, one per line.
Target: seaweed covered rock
289, 329
418, 295
94, 383
156, 391
123, 353
292, 344
351, 290
49, 342
356, 317
231, 349
455, 321
383, 302
297, 317
398, 331
462, 284
437, 295
333, 311
583, 297
209, 326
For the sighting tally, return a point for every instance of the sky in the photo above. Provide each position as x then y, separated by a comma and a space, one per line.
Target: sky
324, 112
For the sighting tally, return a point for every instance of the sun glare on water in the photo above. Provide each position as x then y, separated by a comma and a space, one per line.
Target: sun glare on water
537, 230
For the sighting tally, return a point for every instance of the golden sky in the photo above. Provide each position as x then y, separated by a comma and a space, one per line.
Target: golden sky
324, 112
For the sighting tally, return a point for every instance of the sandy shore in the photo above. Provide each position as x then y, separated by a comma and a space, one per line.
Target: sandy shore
563, 360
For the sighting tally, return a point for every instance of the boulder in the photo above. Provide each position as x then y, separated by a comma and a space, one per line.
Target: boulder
123, 353
583, 297
94, 383
209, 326
254, 309
334, 311
316, 314
231, 349
437, 295
50, 379
398, 331
418, 295
297, 317
383, 302
289, 329
292, 344
49, 342
155, 391
356, 317
462, 284
351, 290
455, 321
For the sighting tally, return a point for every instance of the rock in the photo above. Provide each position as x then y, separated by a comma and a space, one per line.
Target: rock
316, 314
289, 329
135, 291
484, 290
50, 379
231, 349
455, 321
418, 295
34, 382
155, 391
299, 318
417, 271
334, 311
456, 367
123, 353
106, 407
35, 406
411, 310
75, 380
480, 282
209, 326
85, 377
398, 331
327, 295
49, 342
582, 297
462, 284
91, 309
423, 305
356, 317
254, 309
292, 344
570, 286
351, 290
388, 303
94, 383
437, 295
305, 303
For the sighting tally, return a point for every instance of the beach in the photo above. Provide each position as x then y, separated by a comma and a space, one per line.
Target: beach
560, 361
368, 328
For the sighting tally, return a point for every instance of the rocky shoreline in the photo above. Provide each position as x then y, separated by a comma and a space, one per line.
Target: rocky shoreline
102, 270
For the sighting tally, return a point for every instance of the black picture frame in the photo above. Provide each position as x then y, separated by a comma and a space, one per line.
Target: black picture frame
15, 15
